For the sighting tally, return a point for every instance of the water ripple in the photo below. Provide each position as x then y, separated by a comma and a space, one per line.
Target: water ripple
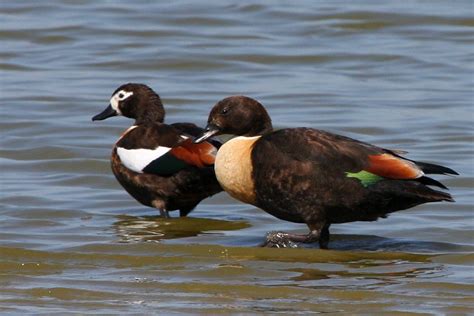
396, 74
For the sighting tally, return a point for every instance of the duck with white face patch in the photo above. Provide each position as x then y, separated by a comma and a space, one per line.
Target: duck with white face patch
158, 164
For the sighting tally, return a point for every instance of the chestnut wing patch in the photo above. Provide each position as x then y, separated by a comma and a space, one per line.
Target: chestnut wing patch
199, 155
392, 167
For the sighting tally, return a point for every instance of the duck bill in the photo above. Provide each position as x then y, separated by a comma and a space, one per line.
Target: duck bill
209, 131
108, 112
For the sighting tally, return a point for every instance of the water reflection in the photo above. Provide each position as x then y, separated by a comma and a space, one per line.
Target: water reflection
397, 74
133, 229
381, 273
378, 243
155, 228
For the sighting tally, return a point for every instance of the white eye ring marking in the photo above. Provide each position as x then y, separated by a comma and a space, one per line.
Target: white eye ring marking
116, 98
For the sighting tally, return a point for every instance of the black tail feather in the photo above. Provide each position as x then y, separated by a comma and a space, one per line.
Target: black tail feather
437, 196
434, 169
428, 168
430, 181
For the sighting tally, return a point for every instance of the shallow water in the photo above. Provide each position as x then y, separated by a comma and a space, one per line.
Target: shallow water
398, 75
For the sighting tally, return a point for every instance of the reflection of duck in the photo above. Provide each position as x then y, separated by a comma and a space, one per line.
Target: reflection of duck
158, 164
369, 272
311, 176
153, 228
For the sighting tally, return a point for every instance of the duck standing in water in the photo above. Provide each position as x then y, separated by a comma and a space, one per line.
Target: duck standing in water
305, 175
158, 164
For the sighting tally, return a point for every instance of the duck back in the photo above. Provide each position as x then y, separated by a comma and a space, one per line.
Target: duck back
306, 175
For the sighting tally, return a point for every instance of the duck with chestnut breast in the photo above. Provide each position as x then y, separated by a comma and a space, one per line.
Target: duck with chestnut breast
305, 175
158, 164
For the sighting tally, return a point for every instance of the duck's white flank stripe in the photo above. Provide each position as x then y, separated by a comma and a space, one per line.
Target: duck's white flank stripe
138, 159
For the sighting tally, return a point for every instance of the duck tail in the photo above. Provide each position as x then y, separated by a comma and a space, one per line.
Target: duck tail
430, 168
430, 181
438, 196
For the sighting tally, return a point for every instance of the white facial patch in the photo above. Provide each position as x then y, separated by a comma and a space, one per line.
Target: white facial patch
137, 159
117, 97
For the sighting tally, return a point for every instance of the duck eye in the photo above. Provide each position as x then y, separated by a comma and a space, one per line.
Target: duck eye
225, 111
121, 95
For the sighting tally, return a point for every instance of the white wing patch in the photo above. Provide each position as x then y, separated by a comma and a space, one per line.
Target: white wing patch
137, 159
117, 97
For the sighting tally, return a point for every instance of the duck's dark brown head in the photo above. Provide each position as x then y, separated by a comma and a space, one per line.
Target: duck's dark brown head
136, 101
237, 115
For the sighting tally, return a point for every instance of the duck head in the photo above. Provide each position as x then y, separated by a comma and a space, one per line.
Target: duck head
136, 101
237, 115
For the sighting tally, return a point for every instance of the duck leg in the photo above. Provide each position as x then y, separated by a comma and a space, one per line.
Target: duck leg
324, 237
186, 210
183, 213
164, 213
288, 240
160, 205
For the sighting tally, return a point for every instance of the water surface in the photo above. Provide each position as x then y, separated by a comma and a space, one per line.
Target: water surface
398, 75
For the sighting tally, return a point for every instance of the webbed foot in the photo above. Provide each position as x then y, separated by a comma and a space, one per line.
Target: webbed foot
278, 240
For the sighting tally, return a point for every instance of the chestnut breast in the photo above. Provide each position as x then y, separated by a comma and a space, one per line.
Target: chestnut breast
234, 168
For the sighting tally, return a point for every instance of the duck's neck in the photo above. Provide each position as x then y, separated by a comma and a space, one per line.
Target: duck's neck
260, 128
150, 117
150, 109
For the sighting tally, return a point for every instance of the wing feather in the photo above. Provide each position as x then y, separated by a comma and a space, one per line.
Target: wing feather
199, 155
392, 167
138, 159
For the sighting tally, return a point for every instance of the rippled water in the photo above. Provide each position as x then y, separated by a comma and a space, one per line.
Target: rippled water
395, 74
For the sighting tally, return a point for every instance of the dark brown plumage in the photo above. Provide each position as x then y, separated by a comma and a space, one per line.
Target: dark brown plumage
310, 176
158, 164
